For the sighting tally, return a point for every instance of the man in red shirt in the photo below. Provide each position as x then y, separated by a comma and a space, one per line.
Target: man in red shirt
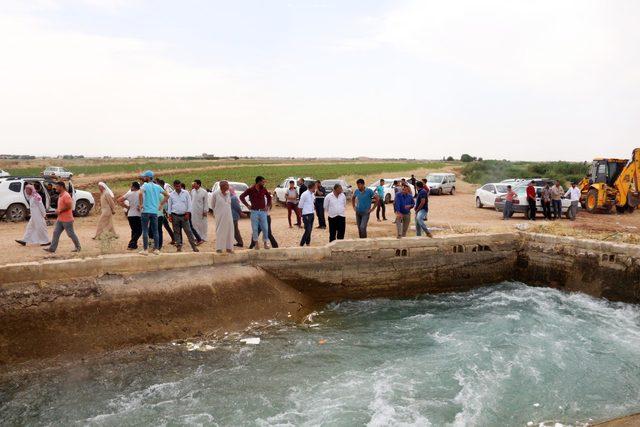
531, 200
260, 204
65, 219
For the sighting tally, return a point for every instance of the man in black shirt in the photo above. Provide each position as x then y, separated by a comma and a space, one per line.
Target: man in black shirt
321, 192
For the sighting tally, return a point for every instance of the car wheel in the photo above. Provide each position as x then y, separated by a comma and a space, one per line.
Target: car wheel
83, 207
478, 203
453, 191
439, 191
387, 198
16, 212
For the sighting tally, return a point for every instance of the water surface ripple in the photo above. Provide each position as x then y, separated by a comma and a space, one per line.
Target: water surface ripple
501, 355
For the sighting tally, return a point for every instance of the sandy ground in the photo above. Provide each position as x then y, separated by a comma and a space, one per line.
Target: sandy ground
448, 214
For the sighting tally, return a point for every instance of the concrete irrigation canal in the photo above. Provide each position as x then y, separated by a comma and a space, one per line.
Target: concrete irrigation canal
376, 331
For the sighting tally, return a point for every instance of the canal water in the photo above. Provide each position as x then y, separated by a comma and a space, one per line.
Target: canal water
500, 355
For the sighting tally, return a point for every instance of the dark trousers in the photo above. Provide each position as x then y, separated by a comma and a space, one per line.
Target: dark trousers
379, 208
320, 212
336, 228
272, 240
557, 208
180, 223
362, 219
546, 209
307, 220
236, 233
57, 231
167, 227
293, 207
195, 233
136, 231
532, 208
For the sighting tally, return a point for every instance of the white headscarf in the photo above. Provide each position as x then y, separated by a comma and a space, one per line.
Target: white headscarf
106, 188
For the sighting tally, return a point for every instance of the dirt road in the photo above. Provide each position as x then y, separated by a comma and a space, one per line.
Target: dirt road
448, 214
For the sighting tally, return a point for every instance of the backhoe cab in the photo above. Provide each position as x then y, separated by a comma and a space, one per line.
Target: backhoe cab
612, 182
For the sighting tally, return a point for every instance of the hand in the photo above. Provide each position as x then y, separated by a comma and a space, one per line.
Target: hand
187, 216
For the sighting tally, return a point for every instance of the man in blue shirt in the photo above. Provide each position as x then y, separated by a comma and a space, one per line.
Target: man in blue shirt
422, 209
151, 203
380, 206
364, 201
403, 205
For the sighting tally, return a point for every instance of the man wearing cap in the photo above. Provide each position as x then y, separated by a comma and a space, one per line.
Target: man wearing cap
151, 202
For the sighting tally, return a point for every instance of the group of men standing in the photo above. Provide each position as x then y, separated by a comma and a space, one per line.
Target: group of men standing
550, 198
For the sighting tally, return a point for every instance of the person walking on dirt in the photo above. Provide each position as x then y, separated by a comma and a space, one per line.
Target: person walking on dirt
260, 205
380, 207
531, 200
545, 197
335, 204
574, 195
64, 221
403, 203
362, 204
321, 193
556, 199
179, 211
200, 210
132, 199
508, 203
307, 206
292, 204
422, 209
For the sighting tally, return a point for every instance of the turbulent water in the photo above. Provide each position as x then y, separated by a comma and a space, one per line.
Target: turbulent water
500, 355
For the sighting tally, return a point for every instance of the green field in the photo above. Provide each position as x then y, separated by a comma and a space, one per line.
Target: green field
93, 167
481, 172
276, 173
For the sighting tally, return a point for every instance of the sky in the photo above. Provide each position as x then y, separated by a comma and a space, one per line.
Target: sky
504, 79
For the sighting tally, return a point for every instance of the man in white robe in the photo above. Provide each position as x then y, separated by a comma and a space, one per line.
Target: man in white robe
36, 231
221, 205
199, 209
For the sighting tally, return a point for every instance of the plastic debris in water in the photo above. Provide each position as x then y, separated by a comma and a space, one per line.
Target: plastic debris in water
536, 405
530, 423
251, 341
322, 342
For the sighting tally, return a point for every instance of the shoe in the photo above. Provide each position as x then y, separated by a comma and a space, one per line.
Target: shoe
20, 242
266, 245
156, 252
196, 250
49, 250
256, 246
143, 252
238, 246
199, 242
76, 249
45, 244
172, 243
132, 249
218, 251
429, 234
178, 248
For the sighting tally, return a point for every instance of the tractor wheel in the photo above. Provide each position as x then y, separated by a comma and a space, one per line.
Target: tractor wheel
478, 203
621, 209
630, 208
592, 200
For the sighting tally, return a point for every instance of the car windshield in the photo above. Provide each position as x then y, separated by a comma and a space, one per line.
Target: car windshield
501, 188
240, 187
331, 182
434, 178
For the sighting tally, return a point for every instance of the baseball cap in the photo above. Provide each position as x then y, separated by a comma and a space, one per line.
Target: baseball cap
147, 174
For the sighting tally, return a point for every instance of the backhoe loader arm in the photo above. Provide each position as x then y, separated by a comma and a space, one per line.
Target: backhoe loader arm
628, 184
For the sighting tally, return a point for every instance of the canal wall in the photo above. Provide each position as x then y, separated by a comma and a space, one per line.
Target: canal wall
89, 305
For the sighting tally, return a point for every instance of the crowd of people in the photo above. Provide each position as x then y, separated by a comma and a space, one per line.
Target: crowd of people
551, 200
154, 207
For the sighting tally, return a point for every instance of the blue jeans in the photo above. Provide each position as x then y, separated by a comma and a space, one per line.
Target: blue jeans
259, 223
508, 208
421, 226
149, 221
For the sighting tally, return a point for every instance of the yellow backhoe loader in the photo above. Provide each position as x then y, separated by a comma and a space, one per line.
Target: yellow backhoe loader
612, 182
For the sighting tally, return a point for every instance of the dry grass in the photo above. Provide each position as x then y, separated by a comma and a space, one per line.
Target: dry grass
559, 229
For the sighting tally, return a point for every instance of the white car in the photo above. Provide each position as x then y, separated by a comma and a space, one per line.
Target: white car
15, 206
441, 183
486, 195
240, 187
4, 173
280, 193
57, 172
389, 192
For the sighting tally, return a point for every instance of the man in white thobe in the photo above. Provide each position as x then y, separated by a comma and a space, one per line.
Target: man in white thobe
221, 205
199, 209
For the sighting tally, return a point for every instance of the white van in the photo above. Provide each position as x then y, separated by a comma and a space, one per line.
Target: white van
441, 183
